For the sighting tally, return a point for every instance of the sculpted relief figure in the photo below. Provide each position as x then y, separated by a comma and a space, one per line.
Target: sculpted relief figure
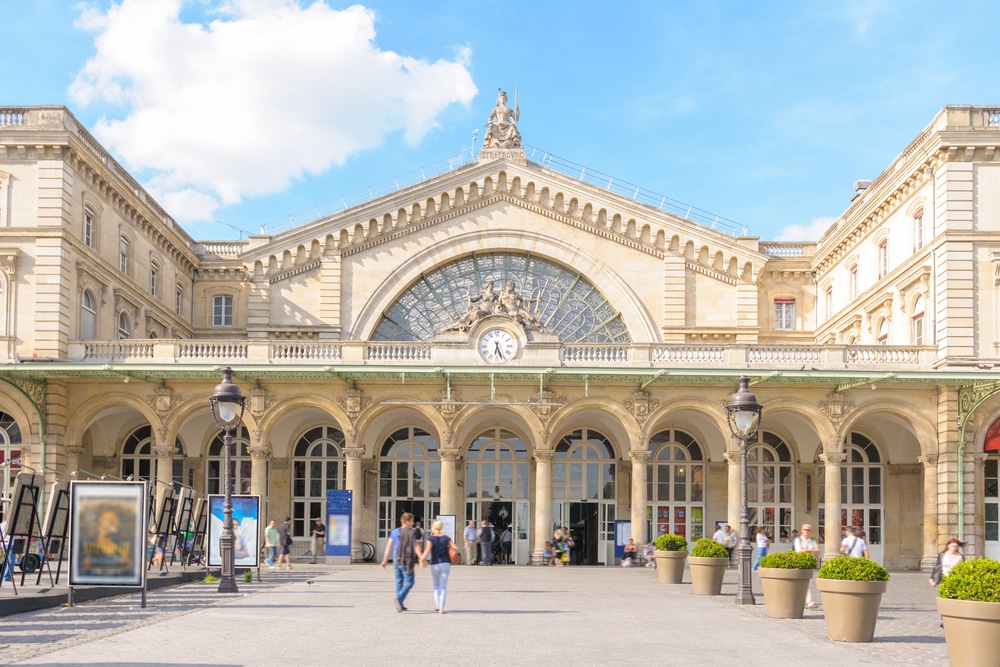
508, 303
501, 128
513, 305
479, 306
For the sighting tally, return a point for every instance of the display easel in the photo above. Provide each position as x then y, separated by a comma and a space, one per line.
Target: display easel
56, 527
185, 509
24, 519
163, 528
200, 526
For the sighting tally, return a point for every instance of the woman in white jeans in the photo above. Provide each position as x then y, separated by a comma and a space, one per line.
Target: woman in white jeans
436, 552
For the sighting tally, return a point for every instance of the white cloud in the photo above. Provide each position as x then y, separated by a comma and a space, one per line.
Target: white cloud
812, 232
241, 106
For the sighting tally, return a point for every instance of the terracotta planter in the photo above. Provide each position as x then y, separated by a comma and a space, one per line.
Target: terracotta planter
851, 608
670, 566
707, 574
972, 630
784, 591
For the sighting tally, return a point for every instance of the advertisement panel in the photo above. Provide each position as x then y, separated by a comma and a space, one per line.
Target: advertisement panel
107, 533
246, 516
338, 522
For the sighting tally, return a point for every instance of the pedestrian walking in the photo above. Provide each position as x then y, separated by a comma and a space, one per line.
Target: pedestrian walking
470, 537
763, 542
853, 545
947, 559
486, 542
405, 556
271, 542
436, 552
318, 534
732, 541
804, 542
506, 543
285, 543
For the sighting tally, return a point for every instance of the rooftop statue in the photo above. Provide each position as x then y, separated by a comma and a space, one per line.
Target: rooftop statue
507, 303
501, 126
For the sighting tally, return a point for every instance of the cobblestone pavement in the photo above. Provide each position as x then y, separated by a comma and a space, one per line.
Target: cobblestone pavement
318, 615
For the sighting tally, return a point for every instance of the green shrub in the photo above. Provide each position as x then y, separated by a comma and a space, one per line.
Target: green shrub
849, 568
209, 578
789, 560
709, 548
670, 542
977, 579
248, 576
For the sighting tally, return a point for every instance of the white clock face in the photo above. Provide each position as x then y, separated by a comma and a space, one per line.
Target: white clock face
497, 346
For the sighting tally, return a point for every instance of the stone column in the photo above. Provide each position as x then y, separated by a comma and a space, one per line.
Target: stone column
356, 484
831, 503
259, 456
449, 486
543, 503
930, 554
733, 487
164, 453
639, 459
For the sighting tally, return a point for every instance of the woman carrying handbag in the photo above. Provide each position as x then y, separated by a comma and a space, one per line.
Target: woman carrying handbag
438, 550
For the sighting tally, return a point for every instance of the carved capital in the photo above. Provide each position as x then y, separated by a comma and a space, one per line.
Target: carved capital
450, 454
163, 451
639, 456
833, 459
259, 452
545, 455
928, 460
731, 457
354, 452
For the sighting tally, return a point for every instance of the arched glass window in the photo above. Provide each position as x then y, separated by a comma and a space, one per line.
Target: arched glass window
497, 466
583, 468
409, 478
10, 450
770, 487
675, 485
883, 332
918, 321
861, 479
918, 230
240, 465
88, 317
138, 460
318, 465
124, 327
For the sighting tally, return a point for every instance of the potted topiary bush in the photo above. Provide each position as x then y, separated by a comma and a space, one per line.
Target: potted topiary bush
708, 562
852, 591
784, 578
967, 601
670, 553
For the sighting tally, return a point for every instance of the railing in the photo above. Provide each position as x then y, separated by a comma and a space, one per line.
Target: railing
11, 118
594, 354
408, 352
360, 353
785, 249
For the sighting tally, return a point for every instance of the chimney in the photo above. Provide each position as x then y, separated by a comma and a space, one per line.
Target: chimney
860, 187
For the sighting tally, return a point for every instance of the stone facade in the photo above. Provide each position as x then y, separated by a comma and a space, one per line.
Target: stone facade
596, 385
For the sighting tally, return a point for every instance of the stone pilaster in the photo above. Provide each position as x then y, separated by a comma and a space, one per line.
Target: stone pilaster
831, 503
355, 483
732, 459
930, 547
639, 500
542, 502
449, 487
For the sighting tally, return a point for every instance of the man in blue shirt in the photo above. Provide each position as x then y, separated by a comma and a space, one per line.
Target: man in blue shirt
403, 546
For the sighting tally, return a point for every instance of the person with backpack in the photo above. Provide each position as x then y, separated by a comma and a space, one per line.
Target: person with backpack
486, 542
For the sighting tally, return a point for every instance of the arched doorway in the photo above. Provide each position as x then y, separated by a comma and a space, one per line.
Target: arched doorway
584, 495
139, 462
409, 480
10, 450
675, 485
496, 486
770, 487
318, 465
861, 484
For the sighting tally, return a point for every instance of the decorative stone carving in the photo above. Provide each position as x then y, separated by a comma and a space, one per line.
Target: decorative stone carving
448, 406
507, 303
501, 126
450, 454
836, 407
32, 389
544, 455
260, 401
354, 403
542, 411
259, 452
641, 404
638, 455
354, 452
731, 457
833, 459
928, 460
162, 400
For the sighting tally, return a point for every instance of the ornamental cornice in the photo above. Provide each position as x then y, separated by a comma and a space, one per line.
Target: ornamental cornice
291, 272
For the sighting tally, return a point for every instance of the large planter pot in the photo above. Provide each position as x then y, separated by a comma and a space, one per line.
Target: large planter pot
851, 608
784, 591
972, 630
670, 566
707, 574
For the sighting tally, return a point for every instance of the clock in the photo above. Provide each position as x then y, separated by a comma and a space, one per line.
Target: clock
497, 346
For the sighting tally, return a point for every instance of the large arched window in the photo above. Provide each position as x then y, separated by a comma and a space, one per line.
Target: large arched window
88, 316
861, 480
770, 486
240, 463
584, 493
10, 451
496, 481
562, 299
675, 485
139, 461
409, 478
317, 467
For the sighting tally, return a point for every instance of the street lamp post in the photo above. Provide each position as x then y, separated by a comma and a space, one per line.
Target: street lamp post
743, 415
227, 405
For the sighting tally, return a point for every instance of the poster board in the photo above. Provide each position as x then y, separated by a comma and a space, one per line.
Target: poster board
448, 525
246, 519
338, 522
30, 485
56, 525
107, 534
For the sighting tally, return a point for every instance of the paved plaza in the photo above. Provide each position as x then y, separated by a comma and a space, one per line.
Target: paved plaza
322, 615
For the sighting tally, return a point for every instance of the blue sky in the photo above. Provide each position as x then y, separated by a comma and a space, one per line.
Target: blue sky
259, 112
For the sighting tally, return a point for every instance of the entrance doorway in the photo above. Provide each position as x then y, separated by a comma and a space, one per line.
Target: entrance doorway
589, 525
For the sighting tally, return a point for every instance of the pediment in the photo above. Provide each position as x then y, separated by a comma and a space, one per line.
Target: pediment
476, 188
